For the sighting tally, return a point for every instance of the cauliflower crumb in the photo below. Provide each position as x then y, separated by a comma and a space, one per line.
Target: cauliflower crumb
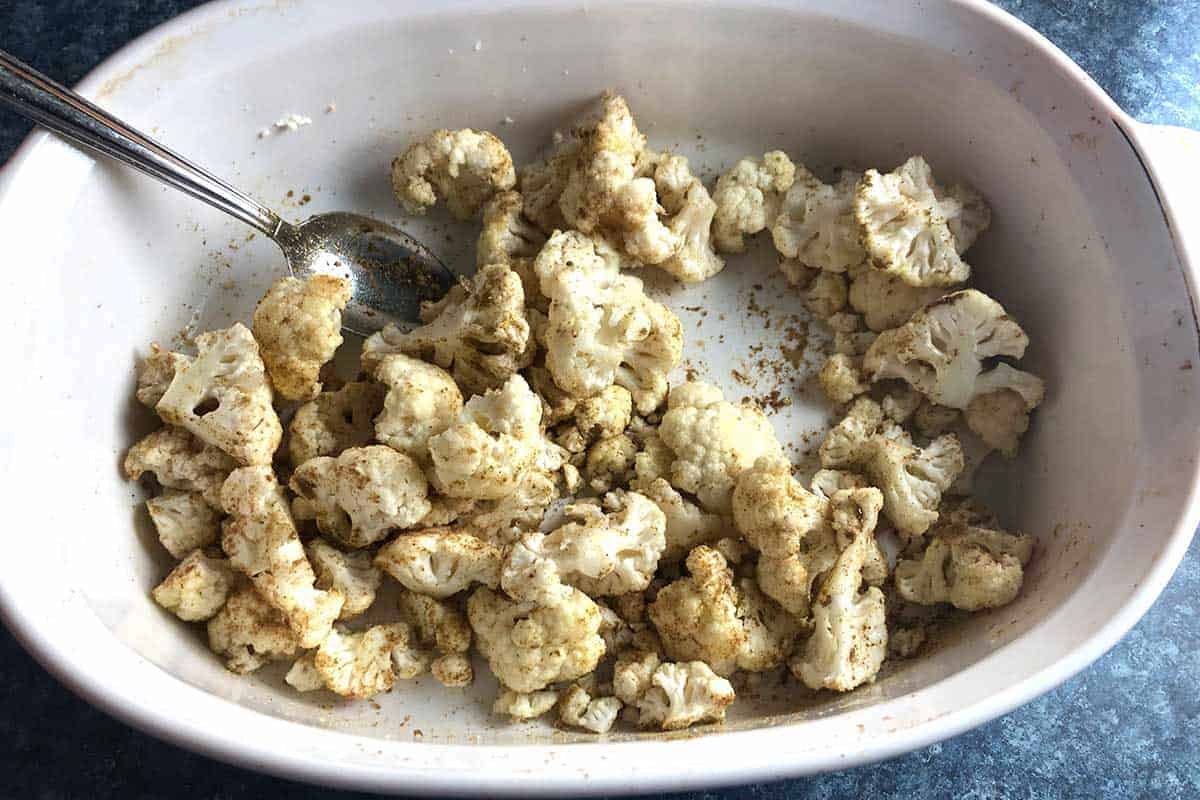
524, 705
197, 588
579, 709
298, 325
462, 167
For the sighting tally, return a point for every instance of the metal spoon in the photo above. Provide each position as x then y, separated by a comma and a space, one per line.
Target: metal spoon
391, 273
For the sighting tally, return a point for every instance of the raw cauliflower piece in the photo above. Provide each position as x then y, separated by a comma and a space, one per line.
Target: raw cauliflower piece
298, 326
682, 695
816, 225
197, 588
610, 462
422, 401
303, 675
598, 417
179, 460
334, 421
972, 568
770, 630
887, 302
507, 235
524, 705
602, 327
941, 350
841, 378
578, 709
479, 332
184, 520
248, 631
502, 521
495, 440
462, 167
440, 562
261, 542
827, 482
360, 665
687, 525
846, 445
437, 623
713, 441
826, 295
904, 228
223, 397
452, 670
362, 495
913, 479
690, 212
1000, 416
697, 616
849, 639
350, 574
529, 646
155, 374
748, 198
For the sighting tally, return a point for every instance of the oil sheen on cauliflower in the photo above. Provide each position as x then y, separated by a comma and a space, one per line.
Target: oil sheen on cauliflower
298, 325
462, 168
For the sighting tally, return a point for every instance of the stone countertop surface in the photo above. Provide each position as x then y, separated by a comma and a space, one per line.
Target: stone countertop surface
1128, 726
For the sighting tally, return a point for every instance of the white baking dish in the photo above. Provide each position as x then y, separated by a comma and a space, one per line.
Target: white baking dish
1088, 250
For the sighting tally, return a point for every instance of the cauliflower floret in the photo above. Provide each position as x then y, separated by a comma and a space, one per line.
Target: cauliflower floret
422, 401
261, 541
224, 398
842, 379
826, 295
697, 617
887, 302
479, 332
303, 675
334, 422
748, 198
362, 495
770, 630
687, 524
632, 674
901, 403
502, 521
932, 420
602, 416
440, 562
495, 440
184, 521
506, 234
437, 623
603, 552
940, 351
528, 646
967, 214
156, 372
691, 211
1001, 415
557, 404
453, 670
579, 709
849, 639
349, 574
197, 588
826, 482
298, 325
602, 327
682, 695
816, 223
713, 441
643, 235
360, 665
248, 631
796, 273
179, 460
846, 444
904, 229
913, 479
970, 567
541, 185
524, 705
610, 462
462, 167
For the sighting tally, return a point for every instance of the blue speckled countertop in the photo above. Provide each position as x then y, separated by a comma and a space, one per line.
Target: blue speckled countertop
1129, 726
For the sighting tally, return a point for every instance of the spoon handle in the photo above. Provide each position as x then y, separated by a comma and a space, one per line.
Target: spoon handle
59, 109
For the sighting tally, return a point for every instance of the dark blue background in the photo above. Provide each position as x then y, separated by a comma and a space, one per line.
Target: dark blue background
1129, 726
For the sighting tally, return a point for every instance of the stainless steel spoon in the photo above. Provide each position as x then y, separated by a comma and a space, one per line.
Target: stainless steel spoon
391, 272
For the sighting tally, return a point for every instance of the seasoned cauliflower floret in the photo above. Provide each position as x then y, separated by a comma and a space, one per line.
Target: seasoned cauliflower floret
452, 670
422, 401
437, 623
697, 617
841, 378
298, 325
529, 646
224, 398
261, 541
524, 705
770, 630
690, 212
184, 521
713, 441
610, 462
999, 411
826, 295
248, 631
970, 567
361, 665
349, 574
479, 332
602, 327
849, 639
495, 440
599, 417
362, 495
462, 167
440, 562
334, 422
197, 588
846, 444
578, 709
748, 198
179, 460
941, 350
826, 482
887, 302
502, 521
688, 525
682, 695
904, 228
506, 234
156, 372
816, 223
303, 675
